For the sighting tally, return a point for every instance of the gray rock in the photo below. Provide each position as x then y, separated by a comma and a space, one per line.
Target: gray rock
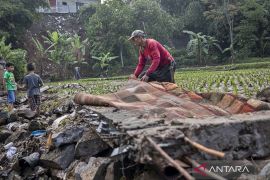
13, 117
265, 172
59, 158
90, 144
57, 174
4, 134
36, 125
17, 136
67, 136
95, 169
3, 118
70, 171
26, 113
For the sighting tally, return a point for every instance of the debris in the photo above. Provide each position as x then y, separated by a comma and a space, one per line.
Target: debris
11, 152
59, 158
38, 133
13, 126
4, 116
120, 151
68, 136
90, 144
58, 120
71, 141
95, 168
169, 159
205, 149
265, 172
31, 160
103, 128
4, 134
9, 145
26, 113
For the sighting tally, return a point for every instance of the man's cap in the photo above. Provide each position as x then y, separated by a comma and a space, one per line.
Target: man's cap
137, 33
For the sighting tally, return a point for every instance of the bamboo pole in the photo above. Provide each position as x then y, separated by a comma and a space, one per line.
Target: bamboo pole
205, 149
170, 160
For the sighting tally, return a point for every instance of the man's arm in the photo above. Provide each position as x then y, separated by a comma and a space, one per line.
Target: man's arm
140, 65
155, 55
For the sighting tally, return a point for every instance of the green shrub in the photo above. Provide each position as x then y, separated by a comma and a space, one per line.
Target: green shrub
15, 56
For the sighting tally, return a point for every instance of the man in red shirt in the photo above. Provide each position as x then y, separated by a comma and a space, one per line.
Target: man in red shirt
162, 66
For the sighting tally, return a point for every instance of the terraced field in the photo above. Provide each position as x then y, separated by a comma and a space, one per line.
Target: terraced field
239, 82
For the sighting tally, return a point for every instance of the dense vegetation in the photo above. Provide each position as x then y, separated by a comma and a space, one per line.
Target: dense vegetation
221, 31
197, 33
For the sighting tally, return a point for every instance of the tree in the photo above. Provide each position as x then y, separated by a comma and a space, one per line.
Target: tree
253, 29
108, 28
15, 56
223, 12
111, 24
200, 45
16, 16
156, 22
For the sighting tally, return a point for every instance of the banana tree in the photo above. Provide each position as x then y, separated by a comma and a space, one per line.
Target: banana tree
59, 50
200, 45
78, 48
41, 53
103, 62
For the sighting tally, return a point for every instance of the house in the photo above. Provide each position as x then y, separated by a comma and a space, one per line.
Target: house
65, 6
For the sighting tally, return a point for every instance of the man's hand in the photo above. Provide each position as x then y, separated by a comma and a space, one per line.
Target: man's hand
132, 76
145, 78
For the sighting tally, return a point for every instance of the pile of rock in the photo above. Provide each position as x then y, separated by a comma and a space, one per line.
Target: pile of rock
66, 141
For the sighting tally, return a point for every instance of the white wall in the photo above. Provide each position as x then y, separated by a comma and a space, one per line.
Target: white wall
70, 7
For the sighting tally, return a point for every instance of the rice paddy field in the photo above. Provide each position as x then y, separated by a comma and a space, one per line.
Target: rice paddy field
244, 82
240, 82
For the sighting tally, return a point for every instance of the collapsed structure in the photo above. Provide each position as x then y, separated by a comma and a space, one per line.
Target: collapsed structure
156, 125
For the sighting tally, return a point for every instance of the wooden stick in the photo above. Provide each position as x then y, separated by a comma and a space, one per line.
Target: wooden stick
181, 163
205, 149
206, 171
170, 160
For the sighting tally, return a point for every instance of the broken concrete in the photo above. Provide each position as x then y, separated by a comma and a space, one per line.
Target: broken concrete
4, 134
59, 158
68, 136
90, 144
95, 168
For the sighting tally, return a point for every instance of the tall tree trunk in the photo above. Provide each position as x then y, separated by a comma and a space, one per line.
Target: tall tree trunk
232, 42
230, 22
199, 52
121, 56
